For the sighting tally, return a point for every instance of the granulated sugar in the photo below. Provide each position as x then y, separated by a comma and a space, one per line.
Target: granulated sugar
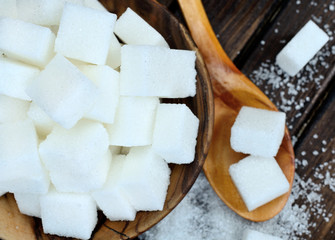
202, 215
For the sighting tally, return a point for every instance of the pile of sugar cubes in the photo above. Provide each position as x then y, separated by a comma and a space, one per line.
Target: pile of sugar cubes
301, 48
82, 126
258, 177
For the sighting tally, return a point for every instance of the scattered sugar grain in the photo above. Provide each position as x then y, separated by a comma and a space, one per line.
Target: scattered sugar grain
315, 153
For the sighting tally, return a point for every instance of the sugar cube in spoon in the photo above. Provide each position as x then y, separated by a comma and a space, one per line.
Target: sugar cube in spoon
259, 180
258, 132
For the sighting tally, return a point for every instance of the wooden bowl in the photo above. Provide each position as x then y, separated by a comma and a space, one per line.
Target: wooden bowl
14, 225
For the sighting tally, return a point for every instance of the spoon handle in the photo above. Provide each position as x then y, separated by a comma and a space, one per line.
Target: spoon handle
228, 83
203, 34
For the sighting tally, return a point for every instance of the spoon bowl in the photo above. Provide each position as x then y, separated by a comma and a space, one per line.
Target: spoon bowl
232, 90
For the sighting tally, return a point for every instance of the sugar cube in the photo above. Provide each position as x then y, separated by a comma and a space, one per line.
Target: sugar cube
85, 33
12, 109
63, 92
21, 170
27, 42
132, 29
114, 53
43, 123
249, 234
8, 8
258, 132
42, 12
146, 179
77, 159
68, 214
133, 123
95, 4
28, 203
107, 81
15, 77
110, 198
259, 180
175, 133
301, 48
157, 71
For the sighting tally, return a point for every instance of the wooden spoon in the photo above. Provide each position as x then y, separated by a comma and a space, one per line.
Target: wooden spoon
232, 90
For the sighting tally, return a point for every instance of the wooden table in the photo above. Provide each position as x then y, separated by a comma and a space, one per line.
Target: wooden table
252, 33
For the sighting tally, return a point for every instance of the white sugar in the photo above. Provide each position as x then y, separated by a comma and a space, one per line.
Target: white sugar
257, 132
132, 29
26, 42
258, 180
79, 37
63, 92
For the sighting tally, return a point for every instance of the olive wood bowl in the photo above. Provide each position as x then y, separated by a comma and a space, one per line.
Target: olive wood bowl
14, 225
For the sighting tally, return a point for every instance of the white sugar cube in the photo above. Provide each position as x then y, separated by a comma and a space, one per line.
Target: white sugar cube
132, 29
12, 109
107, 81
42, 12
110, 198
21, 170
68, 214
95, 4
114, 53
43, 123
27, 42
175, 133
85, 33
133, 124
146, 179
258, 132
15, 77
63, 92
8, 8
259, 180
157, 71
28, 203
249, 234
78, 159
301, 48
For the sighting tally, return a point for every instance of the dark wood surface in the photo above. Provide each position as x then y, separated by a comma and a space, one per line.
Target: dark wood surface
252, 33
